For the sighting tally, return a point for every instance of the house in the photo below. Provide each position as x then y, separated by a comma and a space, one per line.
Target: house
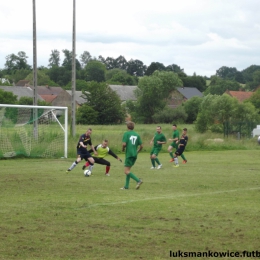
181, 94
239, 95
124, 92
78, 97
23, 83
20, 92
56, 96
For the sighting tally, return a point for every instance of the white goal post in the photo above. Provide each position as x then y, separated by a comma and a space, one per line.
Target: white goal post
22, 135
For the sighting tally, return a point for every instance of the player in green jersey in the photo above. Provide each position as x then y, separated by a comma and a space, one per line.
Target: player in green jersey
175, 139
132, 145
157, 141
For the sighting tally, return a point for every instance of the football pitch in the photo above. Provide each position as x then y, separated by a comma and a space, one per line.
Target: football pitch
211, 205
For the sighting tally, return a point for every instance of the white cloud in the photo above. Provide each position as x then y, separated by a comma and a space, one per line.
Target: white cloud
199, 36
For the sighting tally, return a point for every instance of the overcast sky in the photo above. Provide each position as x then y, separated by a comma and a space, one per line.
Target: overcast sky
199, 36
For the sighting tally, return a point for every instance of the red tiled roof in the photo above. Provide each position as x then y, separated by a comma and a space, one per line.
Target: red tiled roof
239, 95
48, 98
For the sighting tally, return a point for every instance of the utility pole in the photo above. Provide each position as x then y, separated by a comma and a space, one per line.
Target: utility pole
73, 81
35, 113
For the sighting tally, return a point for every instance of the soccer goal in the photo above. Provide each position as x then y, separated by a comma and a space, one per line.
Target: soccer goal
33, 131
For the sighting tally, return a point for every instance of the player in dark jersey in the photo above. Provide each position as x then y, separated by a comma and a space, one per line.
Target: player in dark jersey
181, 146
82, 152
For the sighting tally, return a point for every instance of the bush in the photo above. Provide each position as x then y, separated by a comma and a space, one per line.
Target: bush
170, 115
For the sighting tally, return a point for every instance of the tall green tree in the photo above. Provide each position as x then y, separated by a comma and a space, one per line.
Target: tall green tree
136, 68
227, 73
54, 59
153, 92
194, 81
191, 107
16, 62
175, 68
95, 71
105, 101
153, 67
67, 62
85, 58
249, 71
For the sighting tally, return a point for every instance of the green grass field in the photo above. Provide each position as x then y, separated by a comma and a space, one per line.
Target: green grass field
210, 203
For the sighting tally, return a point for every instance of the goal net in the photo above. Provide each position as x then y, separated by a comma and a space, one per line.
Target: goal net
33, 131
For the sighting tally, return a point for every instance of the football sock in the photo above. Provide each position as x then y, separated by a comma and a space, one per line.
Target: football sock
133, 177
153, 162
183, 157
127, 180
157, 160
87, 163
176, 160
91, 167
107, 169
73, 165
171, 154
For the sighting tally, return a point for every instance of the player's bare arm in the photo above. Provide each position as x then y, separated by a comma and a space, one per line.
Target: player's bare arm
123, 147
140, 148
81, 144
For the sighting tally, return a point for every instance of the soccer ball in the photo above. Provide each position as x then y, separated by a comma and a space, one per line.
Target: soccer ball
87, 173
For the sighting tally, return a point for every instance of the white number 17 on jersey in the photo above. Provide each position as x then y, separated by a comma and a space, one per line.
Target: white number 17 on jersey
133, 139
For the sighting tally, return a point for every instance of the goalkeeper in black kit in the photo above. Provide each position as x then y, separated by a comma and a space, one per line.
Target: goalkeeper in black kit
102, 151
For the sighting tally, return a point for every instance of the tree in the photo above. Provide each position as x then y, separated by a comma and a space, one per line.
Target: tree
121, 63
86, 115
54, 59
136, 68
169, 115
67, 62
218, 86
215, 110
227, 73
42, 79
174, 68
60, 75
148, 103
195, 82
191, 107
153, 67
170, 81
153, 92
16, 62
110, 63
248, 72
17, 75
120, 77
7, 97
80, 85
255, 99
95, 71
85, 57
105, 101
255, 81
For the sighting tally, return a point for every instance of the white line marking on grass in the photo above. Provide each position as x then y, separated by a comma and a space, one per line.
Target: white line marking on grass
168, 197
